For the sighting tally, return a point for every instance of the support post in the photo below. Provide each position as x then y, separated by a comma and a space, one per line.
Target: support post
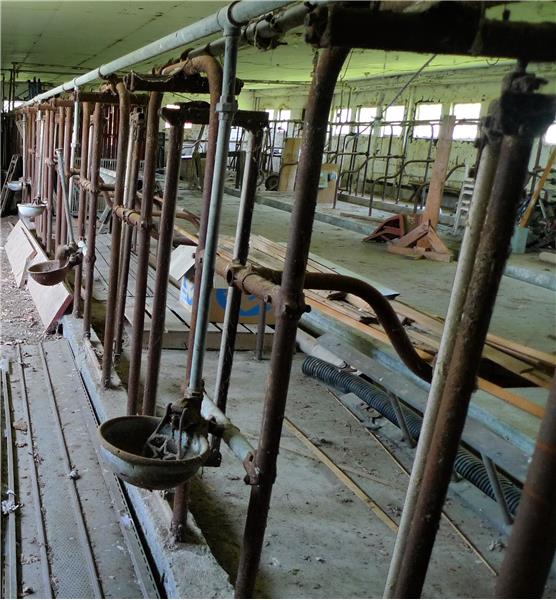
90, 255
81, 209
130, 189
144, 242
472, 235
117, 200
289, 308
532, 542
522, 117
176, 118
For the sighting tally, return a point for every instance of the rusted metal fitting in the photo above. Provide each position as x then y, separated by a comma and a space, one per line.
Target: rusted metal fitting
292, 306
519, 110
315, 25
176, 117
254, 474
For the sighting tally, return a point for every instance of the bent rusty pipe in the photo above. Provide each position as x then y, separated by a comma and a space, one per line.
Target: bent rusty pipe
143, 249
264, 283
123, 133
211, 67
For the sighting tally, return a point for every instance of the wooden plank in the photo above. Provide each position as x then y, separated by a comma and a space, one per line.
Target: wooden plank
20, 252
439, 171
511, 398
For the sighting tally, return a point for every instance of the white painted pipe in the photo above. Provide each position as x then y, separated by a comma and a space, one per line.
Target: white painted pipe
76, 107
231, 435
479, 203
237, 12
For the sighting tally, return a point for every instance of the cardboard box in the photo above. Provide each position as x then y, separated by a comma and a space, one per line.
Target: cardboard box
328, 183
182, 268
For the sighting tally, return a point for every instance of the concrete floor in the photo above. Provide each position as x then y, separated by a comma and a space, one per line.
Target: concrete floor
322, 541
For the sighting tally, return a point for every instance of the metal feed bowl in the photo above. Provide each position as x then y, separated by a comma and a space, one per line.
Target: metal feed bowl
122, 441
30, 210
49, 272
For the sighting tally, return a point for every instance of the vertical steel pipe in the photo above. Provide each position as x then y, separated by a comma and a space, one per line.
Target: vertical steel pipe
226, 110
50, 187
47, 157
143, 249
67, 154
176, 119
123, 134
532, 542
210, 66
90, 256
134, 151
472, 235
59, 144
241, 251
489, 264
82, 205
290, 306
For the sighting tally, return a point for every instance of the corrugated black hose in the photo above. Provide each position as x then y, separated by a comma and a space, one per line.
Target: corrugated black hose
466, 464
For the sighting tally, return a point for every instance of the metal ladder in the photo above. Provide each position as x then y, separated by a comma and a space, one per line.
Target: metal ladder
464, 202
5, 194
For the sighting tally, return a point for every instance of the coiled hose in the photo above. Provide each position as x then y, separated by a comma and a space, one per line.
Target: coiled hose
466, 464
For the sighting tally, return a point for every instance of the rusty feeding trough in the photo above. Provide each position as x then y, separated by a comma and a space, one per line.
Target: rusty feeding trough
153, 453
30, 210
49, 272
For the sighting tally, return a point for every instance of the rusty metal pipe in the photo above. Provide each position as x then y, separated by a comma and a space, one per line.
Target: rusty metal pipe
383, 310
67, 154
81, 210
491, 257
241, 251
444, 28
289, 309
117, 200
59, 144
90, 256
211, 67
135, 148
50, 187
176, 118
532, 542
264, 284
143, 248
108, 98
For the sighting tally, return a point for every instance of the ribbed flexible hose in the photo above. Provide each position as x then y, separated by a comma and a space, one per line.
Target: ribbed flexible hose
466, 464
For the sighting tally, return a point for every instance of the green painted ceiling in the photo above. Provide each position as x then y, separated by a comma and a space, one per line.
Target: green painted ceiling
58, 40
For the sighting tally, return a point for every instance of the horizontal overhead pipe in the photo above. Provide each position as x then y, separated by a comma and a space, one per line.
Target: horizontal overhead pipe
108, 98
445, 28
237, 12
